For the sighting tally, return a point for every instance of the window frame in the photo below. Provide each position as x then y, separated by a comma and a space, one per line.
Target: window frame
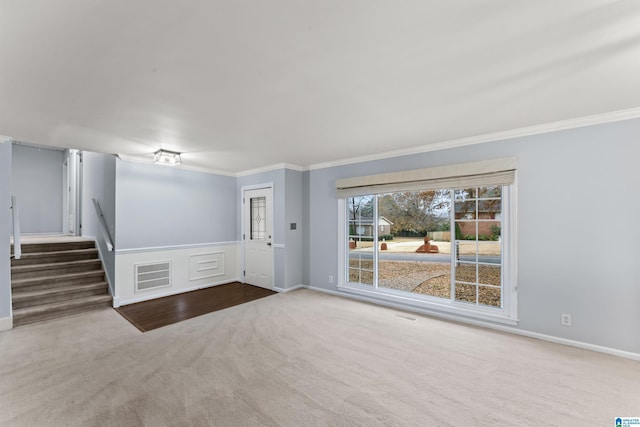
507, 314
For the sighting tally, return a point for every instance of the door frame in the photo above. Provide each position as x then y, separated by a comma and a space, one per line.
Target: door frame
72, 182
243, 189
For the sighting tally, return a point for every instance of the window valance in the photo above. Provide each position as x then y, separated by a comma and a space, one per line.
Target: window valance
462, 175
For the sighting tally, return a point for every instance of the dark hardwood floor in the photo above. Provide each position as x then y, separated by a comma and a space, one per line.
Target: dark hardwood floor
153, 314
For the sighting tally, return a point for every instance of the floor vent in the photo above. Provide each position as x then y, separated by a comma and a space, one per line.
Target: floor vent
152, 276
407, 317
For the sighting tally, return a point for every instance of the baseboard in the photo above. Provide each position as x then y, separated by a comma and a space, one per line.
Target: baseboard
535, 335
578, 344
284, 290
6, 323
119, 303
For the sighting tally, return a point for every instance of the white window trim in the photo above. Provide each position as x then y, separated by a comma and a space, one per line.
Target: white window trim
508, 314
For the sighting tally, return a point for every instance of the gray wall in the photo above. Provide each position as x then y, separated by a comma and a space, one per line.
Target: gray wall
163, 206
5, 229
37, 183
99, 182
577, 235
306, 233
293, 238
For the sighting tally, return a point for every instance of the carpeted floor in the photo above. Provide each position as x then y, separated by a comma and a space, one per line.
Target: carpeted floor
303, 359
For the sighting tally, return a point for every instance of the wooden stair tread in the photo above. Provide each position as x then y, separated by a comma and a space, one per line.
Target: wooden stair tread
72, 251
24, 295
60, 246
19, 270
53, 254
57, 257
54, 264
60, 306
60, 276
56, 278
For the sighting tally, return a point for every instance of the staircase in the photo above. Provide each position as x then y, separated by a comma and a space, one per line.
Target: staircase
57, 279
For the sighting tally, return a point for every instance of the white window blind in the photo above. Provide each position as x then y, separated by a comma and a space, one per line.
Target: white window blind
462, 175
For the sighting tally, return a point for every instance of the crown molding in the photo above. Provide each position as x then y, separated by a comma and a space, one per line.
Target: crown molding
270, 168
38, 146
596, 119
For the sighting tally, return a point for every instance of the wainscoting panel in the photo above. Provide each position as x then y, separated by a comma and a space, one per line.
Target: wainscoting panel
206, 266
192, 267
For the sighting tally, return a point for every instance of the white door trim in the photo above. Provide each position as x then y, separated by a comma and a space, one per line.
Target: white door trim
72, 193
244, 189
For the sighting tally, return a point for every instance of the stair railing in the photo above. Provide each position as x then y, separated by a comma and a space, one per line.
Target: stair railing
15, 216
102, 224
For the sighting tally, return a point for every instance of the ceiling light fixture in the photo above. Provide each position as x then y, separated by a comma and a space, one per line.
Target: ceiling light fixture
165, 157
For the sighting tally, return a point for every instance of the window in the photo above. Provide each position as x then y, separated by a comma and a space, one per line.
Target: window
448, 248
258, 206
477, 272
360, 210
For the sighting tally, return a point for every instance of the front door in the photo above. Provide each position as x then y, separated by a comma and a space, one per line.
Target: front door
258, 226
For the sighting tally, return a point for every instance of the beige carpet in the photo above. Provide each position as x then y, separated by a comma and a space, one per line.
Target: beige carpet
303, 359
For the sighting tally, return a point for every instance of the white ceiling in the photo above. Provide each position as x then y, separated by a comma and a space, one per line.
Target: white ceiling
238, 85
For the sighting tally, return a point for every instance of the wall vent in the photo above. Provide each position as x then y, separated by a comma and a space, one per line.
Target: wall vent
152, 276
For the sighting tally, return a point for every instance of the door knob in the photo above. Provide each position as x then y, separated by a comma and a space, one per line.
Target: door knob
269, 244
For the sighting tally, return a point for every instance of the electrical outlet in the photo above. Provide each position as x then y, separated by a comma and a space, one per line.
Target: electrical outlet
330, 279
565, 319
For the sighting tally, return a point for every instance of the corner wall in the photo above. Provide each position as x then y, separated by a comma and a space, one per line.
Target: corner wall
306, 237
293, 214
99, 182
6, 321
